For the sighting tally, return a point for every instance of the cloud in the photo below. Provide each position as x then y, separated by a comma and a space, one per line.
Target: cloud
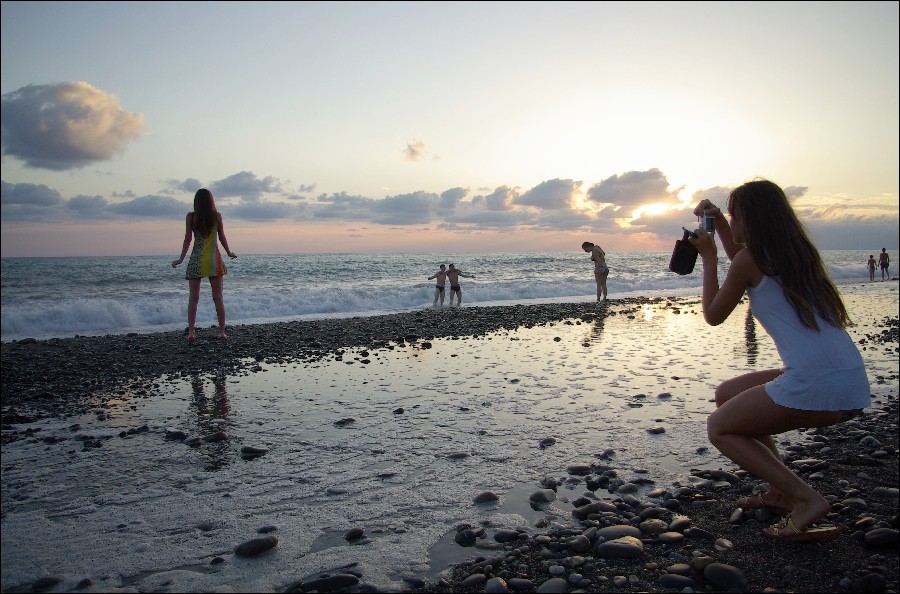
550, 206
246, 185
65, 125
553, 194
500, 199
450, 199
90, 206
405, 209
35, 194
633, 189
415, 150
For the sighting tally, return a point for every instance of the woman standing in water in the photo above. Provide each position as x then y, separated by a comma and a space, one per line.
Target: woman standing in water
204, 226
823, 381
601, 270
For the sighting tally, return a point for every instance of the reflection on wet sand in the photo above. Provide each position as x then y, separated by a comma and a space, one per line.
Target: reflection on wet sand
212, 420
750, 338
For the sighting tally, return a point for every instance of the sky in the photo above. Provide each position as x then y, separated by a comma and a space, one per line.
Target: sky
360, 127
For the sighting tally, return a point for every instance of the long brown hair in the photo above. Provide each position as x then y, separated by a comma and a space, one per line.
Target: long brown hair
205, 213
781, 247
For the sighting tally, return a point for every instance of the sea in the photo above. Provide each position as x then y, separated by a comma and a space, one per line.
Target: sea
63, 297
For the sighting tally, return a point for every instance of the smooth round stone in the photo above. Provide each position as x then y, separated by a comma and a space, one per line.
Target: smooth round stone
495, 585
671, 537
255, 546
674, 580
618, 531
882, 536
553, 586
476, 579
725, 577
486, 497
506, 535
626, 547
543, 496
331, 583
580, 543
520, 584
653, 526
723, 544
579, 469
680, 524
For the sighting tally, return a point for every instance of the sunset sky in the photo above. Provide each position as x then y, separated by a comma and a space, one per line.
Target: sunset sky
440, 126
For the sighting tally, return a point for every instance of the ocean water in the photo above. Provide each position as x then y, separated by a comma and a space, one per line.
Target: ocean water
64, 297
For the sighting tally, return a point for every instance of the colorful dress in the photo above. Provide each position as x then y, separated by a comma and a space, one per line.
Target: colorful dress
205, 257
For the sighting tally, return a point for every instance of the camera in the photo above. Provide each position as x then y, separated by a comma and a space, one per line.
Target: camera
709, 221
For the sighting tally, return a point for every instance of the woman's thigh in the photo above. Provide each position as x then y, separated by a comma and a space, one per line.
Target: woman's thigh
216, 283
754, 414
731, 388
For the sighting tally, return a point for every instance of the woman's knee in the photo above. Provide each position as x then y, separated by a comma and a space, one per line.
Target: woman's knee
713, 430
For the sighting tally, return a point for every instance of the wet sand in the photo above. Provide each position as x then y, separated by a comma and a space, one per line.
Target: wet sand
140, 462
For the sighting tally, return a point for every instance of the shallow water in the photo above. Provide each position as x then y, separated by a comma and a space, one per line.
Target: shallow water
143, 509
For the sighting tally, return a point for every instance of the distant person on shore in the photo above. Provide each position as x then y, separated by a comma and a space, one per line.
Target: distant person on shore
871, 265
883, 262
453, 275
823, 380
441, 276
204, 226
601, 270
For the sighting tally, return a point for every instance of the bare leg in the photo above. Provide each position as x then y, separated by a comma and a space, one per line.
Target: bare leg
459, 298
731, 388
193, 300
603, 278
737, 428
216, 283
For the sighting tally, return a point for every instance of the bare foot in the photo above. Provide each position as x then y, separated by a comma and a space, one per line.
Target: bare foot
192, 337
223, 336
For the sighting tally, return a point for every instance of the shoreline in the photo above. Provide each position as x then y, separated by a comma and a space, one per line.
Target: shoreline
70, 377
34, 371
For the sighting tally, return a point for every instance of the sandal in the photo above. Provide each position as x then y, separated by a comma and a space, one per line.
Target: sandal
756, 501
811, 534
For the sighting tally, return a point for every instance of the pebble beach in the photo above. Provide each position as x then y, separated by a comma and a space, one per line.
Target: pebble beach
551, 447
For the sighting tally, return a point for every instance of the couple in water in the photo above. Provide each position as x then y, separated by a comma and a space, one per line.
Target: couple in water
442, 276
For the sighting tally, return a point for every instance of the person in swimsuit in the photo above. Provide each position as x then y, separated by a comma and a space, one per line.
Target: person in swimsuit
441, 276
453, 274
204, 226
601, 270
823, 380
884, 261
870, 263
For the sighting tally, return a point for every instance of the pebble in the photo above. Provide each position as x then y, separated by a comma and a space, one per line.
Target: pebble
255, 546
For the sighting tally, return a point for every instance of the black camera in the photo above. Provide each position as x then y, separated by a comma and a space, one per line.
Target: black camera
684, 256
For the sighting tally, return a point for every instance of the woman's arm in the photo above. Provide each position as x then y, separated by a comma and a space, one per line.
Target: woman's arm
722, 228
220, 228
188, 236
718, 303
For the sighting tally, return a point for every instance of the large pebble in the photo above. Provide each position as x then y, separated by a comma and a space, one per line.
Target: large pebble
626, 547
553, 585
255, 546
882, 536
725, 577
